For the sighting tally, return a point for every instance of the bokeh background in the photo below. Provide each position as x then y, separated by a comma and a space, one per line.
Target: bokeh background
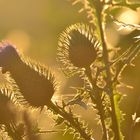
34, 27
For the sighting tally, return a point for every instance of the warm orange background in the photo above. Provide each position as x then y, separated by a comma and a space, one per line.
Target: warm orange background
34, 27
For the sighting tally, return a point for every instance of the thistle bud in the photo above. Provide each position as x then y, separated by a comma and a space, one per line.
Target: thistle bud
35, 82
78, 47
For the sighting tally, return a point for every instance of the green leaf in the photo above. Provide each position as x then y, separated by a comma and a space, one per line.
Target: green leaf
119, 113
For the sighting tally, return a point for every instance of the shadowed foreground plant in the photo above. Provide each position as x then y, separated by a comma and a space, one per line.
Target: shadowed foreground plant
8, 115
17, 129
37, 86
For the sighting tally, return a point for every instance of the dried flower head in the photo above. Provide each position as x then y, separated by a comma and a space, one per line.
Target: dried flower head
34, 81
78, 47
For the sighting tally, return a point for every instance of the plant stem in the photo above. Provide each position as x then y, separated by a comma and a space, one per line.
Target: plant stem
98, 103
99, 8
73, 121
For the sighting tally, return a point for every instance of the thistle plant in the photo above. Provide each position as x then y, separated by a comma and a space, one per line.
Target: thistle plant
45, 79
83, 51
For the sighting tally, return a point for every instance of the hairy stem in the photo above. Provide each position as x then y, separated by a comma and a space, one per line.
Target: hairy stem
73, 122
99, 105
99, 8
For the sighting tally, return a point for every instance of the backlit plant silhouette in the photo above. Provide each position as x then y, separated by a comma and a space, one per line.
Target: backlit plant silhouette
82, 51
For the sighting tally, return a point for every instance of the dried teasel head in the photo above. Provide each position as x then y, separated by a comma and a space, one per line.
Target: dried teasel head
34, 81
78, 47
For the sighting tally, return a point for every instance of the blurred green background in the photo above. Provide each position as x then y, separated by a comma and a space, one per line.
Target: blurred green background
34, 27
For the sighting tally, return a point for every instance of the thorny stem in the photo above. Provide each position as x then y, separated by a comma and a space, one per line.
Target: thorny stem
99, 103
73, 122
99, 9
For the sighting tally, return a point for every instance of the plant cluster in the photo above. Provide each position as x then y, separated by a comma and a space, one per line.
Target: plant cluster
82, 51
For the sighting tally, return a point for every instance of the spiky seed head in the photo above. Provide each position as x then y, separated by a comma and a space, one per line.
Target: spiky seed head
78, 47
35, 82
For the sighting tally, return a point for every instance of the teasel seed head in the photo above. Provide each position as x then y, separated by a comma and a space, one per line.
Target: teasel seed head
34, 81
78, 48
